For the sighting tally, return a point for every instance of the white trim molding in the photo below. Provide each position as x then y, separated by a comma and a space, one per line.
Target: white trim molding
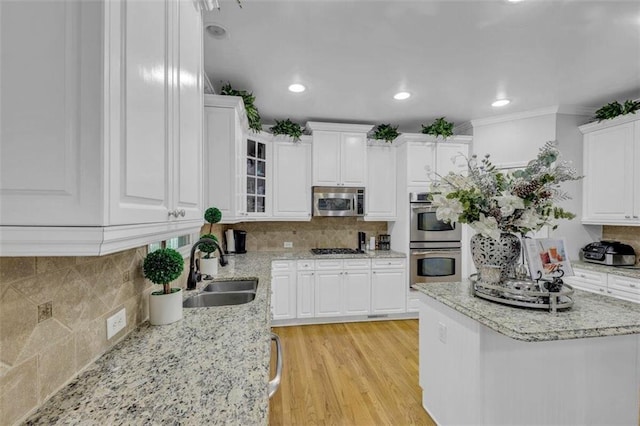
557, 109
87, 240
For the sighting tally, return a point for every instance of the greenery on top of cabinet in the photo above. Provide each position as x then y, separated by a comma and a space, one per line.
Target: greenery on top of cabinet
287, 127
614, 109
440, 127
253, 116
386, 132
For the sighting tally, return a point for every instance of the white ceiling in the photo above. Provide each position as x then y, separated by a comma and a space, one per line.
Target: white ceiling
455, 57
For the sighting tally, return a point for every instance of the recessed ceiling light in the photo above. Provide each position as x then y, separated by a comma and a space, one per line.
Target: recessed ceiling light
500, 102
217, 31
297, 88
402, 96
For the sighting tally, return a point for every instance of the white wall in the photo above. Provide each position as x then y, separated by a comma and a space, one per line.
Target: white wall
513, 140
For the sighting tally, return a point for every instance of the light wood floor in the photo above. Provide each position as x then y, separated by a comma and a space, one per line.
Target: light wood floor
349, 374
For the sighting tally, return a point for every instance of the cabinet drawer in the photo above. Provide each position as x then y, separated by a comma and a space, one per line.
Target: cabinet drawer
357, 264
283, 265
590, 278
306, 265
329, 264
388, 263
624, 284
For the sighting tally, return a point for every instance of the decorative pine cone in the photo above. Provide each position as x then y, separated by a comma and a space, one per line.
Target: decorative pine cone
545, 194
524, 189
495, 212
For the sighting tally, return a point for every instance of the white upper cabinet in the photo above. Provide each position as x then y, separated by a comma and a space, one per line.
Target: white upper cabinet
381, 182
258, 175
225, 156
109, 139
428, 158
339, 154
292, 179
611, 184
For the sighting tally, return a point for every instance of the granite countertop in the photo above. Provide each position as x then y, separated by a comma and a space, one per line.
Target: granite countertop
592, 315
630, 272
212, 367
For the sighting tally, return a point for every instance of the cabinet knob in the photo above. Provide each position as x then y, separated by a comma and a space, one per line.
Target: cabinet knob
173, 213
635, 216
632, 285
609, 291
601, 290
627, 217
183, 212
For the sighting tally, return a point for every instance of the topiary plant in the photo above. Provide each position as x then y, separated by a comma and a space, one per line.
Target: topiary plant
287, 127
253, 116
614, 109
386, 132
440, 127
212, 215
162, 267
208, 248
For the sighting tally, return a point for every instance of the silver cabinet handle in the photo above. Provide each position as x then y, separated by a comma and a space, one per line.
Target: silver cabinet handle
635, 216
274, 383
601, 290
627, 217
632, 285
173, 213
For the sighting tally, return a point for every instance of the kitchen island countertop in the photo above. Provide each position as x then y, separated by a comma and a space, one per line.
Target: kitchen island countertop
592, 315
211, 367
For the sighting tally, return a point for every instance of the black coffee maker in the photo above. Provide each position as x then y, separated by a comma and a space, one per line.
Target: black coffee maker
240, 238
362, 242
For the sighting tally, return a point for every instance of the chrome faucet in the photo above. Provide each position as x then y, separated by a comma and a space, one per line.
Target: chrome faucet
194, 276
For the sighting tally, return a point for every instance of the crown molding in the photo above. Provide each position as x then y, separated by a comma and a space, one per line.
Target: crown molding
339, 127
556, 109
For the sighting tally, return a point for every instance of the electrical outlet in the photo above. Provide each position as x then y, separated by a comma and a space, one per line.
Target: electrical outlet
45, 311
288, 244
116, 322
442, 332
126, 276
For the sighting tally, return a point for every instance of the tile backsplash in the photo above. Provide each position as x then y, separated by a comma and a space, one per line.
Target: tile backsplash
318, 232
40, 351
625, 234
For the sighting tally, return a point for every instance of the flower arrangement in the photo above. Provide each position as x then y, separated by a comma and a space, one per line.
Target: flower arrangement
493, 202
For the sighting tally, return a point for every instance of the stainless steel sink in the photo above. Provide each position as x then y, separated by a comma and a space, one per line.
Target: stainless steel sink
204, 300
230, 285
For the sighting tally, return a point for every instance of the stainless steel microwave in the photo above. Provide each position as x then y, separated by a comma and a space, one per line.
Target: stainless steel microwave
338, 201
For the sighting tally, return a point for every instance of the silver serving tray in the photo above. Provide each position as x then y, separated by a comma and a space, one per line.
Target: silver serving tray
537, 299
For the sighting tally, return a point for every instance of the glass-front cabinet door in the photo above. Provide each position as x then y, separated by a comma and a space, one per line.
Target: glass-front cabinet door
258, 170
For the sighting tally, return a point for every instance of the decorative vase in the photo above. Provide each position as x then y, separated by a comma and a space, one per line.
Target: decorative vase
165, 308
209, 266
503, 253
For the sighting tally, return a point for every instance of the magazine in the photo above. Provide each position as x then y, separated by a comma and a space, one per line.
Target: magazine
547, 258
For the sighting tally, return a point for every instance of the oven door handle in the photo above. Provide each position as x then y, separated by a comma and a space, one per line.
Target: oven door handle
422, 253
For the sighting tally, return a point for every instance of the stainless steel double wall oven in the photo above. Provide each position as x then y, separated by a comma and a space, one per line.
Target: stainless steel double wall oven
435, 246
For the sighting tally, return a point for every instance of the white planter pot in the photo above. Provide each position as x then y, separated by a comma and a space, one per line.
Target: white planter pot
209, 266
165, 308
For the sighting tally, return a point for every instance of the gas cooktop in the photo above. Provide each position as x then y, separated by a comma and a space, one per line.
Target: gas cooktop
335, 251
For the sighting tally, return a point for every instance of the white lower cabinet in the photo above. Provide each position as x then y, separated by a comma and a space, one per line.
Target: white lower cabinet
357, 292
327, 293
337, 288
342, 287
388, 286
283, 290
608, 284
306, 288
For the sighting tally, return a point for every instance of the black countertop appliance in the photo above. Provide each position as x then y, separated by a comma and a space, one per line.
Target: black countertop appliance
612, 253
240, 238
362, 242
